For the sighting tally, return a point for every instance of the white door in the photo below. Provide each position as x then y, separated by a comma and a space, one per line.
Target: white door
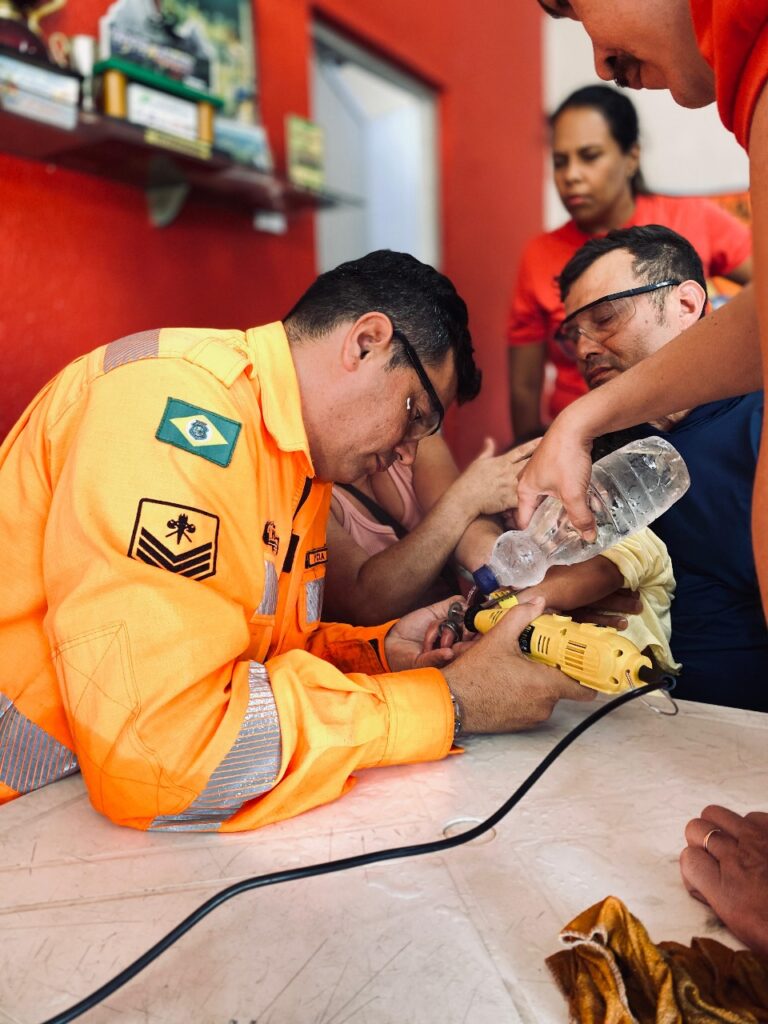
380, 146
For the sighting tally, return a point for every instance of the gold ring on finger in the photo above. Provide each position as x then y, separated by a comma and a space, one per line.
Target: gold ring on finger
707, 837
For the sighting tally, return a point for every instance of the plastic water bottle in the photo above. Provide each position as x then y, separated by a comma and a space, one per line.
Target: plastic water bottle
629, 489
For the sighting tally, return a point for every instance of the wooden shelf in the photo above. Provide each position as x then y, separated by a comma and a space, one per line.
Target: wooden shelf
115, 149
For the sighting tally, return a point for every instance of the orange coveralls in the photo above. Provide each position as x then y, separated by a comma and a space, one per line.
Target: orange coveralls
159, 612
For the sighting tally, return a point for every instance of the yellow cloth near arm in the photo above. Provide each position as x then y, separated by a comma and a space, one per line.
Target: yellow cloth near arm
612, 973
643, 561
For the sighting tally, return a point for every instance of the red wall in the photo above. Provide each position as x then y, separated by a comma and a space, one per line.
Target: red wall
80, 263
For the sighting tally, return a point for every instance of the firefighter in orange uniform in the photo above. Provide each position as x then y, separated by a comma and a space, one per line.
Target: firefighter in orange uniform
162, 507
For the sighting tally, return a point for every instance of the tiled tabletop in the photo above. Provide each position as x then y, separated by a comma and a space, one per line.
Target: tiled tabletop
451, 938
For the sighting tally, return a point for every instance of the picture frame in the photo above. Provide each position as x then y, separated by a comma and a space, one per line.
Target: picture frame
204, 44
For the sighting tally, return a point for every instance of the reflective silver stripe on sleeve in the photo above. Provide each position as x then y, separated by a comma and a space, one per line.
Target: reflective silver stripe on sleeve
29, 757
313, 596
144, 345
248, 770
268, 605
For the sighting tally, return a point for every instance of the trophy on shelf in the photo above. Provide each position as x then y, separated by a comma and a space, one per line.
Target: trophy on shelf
20, 26
32, 84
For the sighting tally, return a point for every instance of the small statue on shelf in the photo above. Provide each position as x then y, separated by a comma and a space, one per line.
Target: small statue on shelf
20, 26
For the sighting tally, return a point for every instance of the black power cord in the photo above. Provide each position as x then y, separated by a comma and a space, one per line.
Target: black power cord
332, 866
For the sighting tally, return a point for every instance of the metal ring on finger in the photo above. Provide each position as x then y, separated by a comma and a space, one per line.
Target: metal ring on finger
454, 621
707, 837
453, 627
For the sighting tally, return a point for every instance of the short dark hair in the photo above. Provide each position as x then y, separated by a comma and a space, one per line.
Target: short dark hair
420, 301
659, 253
618, 112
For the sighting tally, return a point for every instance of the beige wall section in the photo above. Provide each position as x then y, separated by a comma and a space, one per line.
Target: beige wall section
685, 152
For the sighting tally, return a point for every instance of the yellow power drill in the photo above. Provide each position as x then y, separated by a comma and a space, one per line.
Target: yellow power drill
595, 656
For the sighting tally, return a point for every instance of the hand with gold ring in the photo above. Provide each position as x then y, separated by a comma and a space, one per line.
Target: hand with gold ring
725, 865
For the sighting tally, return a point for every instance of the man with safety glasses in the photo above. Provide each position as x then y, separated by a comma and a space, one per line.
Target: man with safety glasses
163, 504
626, 295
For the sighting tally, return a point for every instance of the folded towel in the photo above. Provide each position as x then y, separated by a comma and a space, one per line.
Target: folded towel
613, 974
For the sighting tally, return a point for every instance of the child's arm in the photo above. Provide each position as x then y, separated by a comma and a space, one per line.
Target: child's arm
642, 564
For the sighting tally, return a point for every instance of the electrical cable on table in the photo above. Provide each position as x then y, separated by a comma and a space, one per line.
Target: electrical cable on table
346, 863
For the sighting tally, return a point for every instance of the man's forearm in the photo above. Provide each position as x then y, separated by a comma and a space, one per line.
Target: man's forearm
716, 358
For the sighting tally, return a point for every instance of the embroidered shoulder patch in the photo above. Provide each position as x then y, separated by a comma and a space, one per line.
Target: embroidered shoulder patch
270, 536
317, 556
178, 538
199, 431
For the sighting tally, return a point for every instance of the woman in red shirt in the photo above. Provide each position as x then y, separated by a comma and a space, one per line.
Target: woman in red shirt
596, 162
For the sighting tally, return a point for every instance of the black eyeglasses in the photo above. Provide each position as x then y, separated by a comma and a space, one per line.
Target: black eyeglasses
420, 424
604, 316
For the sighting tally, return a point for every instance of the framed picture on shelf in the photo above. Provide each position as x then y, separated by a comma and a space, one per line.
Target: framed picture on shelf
204, 44
305, 157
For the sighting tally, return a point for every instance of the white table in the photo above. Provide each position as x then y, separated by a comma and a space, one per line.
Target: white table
456, 937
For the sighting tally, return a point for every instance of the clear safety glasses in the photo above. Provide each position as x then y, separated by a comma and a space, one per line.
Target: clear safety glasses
602, 317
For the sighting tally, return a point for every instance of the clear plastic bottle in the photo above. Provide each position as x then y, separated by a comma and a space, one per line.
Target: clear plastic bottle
629, 489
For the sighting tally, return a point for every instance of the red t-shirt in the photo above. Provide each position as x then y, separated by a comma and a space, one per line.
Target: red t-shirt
721, 241
733, 39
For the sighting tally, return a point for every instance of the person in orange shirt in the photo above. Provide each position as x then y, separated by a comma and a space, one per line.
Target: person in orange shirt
163, 504
700, 50
596, 168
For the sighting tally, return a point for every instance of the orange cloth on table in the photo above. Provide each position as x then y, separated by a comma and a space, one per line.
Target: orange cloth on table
721, 241
733, 38
614, 974
164, 559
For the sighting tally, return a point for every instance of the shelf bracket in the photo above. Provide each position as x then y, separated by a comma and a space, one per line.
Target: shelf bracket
164, 202
166, 191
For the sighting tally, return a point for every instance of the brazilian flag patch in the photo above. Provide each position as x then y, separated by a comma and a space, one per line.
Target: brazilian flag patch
199, 431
